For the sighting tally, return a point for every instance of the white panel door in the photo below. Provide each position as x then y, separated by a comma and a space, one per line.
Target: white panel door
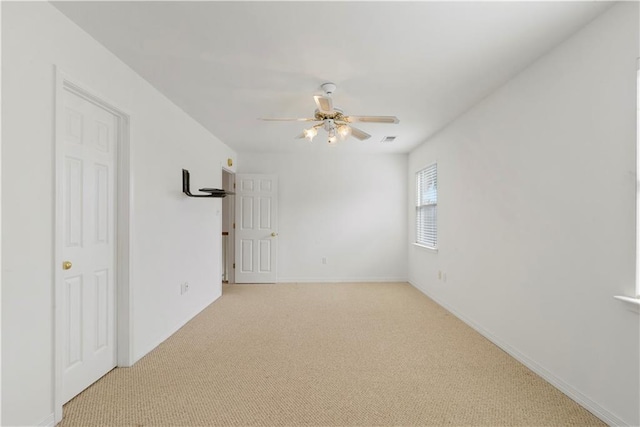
88, 243
256, 228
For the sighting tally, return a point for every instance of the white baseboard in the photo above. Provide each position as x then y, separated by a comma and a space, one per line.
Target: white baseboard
173, 330
50, 421
341, 279
558, 383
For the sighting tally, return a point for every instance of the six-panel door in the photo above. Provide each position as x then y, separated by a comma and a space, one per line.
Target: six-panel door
88, 234
256, 228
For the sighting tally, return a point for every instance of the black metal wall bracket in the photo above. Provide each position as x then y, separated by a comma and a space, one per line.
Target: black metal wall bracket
211, 192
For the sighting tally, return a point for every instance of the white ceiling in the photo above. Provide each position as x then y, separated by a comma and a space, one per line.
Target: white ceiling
228, 63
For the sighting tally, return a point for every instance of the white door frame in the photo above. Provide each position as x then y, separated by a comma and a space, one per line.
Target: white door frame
124, 302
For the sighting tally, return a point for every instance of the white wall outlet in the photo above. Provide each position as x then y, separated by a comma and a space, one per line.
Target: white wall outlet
439, 274
324, 259
184, 288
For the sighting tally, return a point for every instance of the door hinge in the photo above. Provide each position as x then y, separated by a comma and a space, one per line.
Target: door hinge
234, 185
234, 225
234, 265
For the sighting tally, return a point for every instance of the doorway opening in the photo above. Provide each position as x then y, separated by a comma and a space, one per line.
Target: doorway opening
91, 253
228, 228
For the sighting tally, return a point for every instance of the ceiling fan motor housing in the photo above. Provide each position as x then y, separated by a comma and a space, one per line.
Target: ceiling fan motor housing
329, 124
328, 88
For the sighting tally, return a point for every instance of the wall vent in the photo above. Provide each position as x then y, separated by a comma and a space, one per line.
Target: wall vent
388, 139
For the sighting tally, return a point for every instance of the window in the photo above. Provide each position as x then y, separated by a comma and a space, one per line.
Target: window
427, 207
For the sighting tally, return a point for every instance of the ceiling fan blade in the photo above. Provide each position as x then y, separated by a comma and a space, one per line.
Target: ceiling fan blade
269, 119
357, 133
372, 119
324, 103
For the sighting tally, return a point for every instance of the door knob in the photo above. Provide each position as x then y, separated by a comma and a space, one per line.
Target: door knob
274, 234
66, 265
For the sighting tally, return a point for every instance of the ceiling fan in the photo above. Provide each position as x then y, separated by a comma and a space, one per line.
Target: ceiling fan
334, 121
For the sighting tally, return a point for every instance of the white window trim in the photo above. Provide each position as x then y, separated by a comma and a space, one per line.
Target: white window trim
634, 301
637, 295
418, 206
426, 248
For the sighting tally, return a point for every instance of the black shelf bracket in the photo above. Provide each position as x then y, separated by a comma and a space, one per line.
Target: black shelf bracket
211, 192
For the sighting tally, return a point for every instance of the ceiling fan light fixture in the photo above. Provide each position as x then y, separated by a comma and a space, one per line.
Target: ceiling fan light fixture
344, 131
332, 136
310, 133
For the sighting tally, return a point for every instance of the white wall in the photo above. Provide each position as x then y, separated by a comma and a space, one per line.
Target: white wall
174, 238
348, 208
537, 216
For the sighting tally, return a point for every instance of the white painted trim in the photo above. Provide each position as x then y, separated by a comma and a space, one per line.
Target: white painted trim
558, 383
632, 304
124, 301
630, 300
226, 168
124, 249
175, 329
426, 248
637, 176
50, 421
340, 279
57, 250
0, 199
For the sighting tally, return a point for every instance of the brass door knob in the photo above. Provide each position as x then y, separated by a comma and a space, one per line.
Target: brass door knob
66, 265
274, 234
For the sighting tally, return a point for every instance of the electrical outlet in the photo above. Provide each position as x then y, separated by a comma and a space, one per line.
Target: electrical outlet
324, 260
184, 288
439, 274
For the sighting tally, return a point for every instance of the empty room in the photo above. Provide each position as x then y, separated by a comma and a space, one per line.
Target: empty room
319, 213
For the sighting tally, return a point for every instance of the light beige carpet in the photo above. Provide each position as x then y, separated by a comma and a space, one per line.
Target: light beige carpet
325, 354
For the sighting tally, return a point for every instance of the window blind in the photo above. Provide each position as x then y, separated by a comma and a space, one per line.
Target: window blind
427, 206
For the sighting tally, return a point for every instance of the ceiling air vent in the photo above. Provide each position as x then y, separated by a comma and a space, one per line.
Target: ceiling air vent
388, 139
